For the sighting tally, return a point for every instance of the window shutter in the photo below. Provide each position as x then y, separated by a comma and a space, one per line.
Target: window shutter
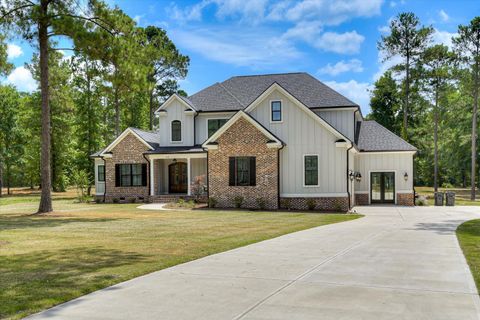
231, 171
117, 175
144, 174
253, 171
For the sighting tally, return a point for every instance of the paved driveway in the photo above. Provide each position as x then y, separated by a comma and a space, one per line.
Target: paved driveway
396, 263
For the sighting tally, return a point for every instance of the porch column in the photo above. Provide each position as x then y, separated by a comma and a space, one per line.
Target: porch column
189, 181
152, 183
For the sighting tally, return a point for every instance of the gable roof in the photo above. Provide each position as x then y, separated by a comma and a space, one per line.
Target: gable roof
238, 92
372, 136
185, 101
150, 139
274, 141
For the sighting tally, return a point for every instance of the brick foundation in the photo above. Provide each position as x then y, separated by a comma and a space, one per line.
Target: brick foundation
337, 204
361, 199
405, 199
129, 150
243, 139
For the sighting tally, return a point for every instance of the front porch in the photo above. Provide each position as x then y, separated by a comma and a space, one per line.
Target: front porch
177, 175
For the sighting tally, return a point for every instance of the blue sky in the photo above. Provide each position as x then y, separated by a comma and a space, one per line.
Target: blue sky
334, 41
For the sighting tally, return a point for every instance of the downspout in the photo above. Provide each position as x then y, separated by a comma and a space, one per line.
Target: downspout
105, 183
194, 131
278, 175
348, 178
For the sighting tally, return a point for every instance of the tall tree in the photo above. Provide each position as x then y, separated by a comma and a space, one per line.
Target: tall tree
37, 22
385, 102
407, 39
437, 62
467, 46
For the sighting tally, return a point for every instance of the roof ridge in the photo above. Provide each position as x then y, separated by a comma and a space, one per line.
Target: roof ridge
268, 74
234, 97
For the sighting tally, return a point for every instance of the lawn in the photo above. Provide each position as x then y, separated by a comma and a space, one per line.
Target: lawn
468, 234
462, 195
85, 247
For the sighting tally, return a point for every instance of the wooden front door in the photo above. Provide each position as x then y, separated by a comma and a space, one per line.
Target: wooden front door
177, 177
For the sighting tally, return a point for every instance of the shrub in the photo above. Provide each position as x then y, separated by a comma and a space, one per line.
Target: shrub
421, 201
116, 200
311, 204
98, 200
286, 203
212, 202
238, 200
198, 187
81, 181
133, 200
191, 204
261, 203
181, 202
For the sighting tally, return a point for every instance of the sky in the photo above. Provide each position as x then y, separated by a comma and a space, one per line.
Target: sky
335, 41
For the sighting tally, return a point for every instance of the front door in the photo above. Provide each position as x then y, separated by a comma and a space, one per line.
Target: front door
177, 177
382, 187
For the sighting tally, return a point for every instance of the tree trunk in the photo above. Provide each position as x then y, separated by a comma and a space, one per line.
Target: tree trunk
151, 110
1, 179
8, 179
46, 197
407, 96
117, 112
435, 141
474, 131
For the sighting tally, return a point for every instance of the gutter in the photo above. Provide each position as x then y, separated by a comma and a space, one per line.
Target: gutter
278, 175
105, 183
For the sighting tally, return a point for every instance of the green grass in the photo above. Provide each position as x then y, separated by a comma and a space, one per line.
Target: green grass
468, 234
46, 260
462, 195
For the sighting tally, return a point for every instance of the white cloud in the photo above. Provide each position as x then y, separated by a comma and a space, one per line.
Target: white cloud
345, 43
443, 15
192, 13
254, 48
385, 65
384, 29
306, 31
353, 65
14, 51
22, 78
443, 37
358, 92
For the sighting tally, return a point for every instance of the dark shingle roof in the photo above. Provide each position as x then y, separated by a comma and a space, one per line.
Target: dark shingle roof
237, 93
374, 137
152, 138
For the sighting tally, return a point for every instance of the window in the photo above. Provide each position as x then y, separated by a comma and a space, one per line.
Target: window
276, 108
214, 124
176, 131
242, 171
131, 175
101, 173
311, 170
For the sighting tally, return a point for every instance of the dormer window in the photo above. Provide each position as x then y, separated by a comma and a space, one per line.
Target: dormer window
276, 111
176, 131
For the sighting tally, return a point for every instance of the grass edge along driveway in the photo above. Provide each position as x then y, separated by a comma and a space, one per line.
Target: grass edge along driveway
80, 248
468, 234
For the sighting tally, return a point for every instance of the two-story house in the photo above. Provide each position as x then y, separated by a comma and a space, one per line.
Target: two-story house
277, 140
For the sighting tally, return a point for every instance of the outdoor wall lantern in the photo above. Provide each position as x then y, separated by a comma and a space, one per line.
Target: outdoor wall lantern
405, 176
358, 176
174, 160
351, 175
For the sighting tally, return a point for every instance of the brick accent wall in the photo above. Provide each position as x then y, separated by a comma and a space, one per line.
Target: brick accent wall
243, 139
129, 150
337, 204
405, 199
361, 199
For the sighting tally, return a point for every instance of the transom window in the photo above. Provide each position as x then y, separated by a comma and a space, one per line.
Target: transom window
242, 171
276, 109
176, 131
101, 173
214, 125
311, 170
130, 175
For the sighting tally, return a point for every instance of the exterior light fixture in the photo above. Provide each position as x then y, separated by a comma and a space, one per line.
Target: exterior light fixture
358, 176
405, 176
351, 175
174, 160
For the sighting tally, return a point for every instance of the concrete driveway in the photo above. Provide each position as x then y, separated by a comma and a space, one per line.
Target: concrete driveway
396, 263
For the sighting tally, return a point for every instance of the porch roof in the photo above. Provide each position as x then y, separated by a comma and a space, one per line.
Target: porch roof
173, 150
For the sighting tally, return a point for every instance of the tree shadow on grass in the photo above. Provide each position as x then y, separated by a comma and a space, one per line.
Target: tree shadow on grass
10, 222
33, 282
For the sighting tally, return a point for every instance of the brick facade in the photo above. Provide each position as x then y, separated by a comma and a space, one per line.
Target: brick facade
243, 139
129, 150
336, 204
361, 199
405, 199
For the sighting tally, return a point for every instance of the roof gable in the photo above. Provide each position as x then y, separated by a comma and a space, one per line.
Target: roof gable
142, 136
185, 101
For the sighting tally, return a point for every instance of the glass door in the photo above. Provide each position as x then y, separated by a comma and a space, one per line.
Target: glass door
382, 187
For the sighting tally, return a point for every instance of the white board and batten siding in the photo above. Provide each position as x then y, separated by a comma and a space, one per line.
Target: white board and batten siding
398, 162
175, 110
99, 185
201, 124
342, 120
303, 135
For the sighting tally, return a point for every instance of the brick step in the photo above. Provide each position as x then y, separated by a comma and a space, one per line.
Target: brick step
168, 198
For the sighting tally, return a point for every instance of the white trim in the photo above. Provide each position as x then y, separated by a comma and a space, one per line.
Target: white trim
276, 86
342, 144
172, 97
281, 111
189, 173
404, 191
121, 137
318, 170
386, 152
181, 132
152, 185
337, 109
314, 195
208, 119
177, 155
232, 120
370, 185
361, 192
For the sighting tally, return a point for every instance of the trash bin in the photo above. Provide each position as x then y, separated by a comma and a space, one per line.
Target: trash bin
450, 198
439, 198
